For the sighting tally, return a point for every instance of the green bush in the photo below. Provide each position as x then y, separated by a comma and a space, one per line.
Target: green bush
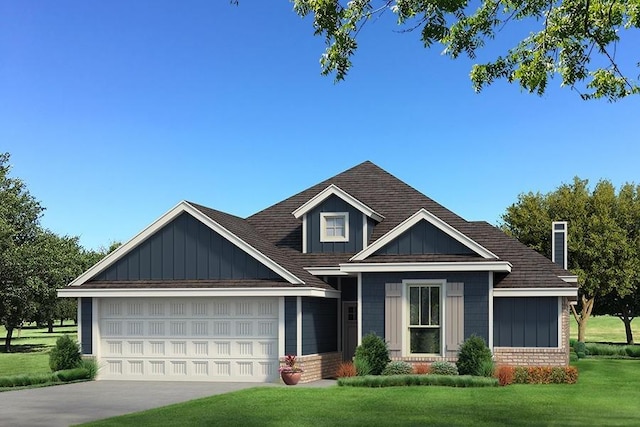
362, 366
398, 367
520, 375
443, 368
65, 355
573, 357
581, 349
595, 349
91, 365
632, 351
375, 351
487, 369
417, 380
74, 374
473, 353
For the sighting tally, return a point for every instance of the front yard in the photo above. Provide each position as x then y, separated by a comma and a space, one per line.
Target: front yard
606, 394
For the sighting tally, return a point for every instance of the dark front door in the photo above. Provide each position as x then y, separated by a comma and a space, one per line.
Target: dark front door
349, 329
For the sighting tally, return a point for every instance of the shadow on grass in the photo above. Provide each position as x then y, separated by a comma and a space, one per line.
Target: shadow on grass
25, 348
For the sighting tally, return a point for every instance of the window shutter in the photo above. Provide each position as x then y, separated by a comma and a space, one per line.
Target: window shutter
393, 318
454, 322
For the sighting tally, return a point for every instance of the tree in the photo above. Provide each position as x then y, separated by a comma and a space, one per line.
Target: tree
602, 244
575, 39
19, 225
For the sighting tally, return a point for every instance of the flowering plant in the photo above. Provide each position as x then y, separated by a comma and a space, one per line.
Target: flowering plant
291, 364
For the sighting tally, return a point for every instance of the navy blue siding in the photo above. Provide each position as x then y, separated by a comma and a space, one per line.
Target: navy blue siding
559, 248
349, 288
525, 322
476, 299
290, 328
86, 322
186, 249
334, 204
424, 238
319, 325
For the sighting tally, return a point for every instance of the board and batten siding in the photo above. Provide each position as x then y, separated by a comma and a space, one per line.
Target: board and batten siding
290, 325
525, 322
319, 325
186, 249
424, 238
334, 204
86, 325
475, 291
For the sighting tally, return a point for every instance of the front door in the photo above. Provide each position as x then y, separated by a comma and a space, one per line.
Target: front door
349, 329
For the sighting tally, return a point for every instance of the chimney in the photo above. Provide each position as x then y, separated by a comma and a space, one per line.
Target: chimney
559, 243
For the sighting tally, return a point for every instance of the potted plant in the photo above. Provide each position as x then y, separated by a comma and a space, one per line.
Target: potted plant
291, 371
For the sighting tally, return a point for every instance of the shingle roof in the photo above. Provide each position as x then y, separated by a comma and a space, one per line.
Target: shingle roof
397, 201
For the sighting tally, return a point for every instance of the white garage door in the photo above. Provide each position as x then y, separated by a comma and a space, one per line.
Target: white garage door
191, 339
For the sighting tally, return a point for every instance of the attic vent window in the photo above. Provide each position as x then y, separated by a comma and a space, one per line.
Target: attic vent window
334, 227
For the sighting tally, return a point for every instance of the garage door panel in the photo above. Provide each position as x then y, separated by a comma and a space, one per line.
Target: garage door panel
213, 339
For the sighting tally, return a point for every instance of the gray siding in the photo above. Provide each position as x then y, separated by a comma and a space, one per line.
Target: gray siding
290, 328
86, 313
319, 325
559, 248
525, 322
334, 204
186, 249
424, 238
476, 299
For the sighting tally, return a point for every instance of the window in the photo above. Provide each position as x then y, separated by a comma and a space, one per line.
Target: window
334, 227
424, 319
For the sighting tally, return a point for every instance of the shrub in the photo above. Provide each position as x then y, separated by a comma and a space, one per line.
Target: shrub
421, 368
539, 374
375, 351
595, 349
397, 367
632, 351
505, 374
520, 375
91, 365
487, 369
443, 368
346, 369
581, 349
572, 374
573, 357
73, 374
473, 353
65, 355
417, 380
362, 366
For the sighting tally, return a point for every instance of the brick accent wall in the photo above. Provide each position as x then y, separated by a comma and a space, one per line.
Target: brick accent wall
516, 356
318, 366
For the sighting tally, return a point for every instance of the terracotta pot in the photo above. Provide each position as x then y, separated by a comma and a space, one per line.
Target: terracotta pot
290, 378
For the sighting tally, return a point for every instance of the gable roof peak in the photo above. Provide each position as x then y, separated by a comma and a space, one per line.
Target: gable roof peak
334, 190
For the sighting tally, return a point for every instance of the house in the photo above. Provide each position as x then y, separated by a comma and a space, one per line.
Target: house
204, 295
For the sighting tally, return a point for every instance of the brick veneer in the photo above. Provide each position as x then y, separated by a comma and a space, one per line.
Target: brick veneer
516, 356
318, 366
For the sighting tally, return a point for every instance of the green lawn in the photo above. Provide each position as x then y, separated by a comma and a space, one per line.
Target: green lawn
30, 350
606, 394
606, 329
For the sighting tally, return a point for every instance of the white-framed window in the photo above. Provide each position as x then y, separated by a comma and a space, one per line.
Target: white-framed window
334, 226
424, 322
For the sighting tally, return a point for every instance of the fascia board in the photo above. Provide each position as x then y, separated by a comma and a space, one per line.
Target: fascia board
535, 292
77, 292
423, 214
334, 190
495, 266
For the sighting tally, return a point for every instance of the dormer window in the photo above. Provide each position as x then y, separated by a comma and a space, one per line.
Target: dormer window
334, 227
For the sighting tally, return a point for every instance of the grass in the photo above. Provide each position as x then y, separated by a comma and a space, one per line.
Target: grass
606, 394
30, 350
606, 329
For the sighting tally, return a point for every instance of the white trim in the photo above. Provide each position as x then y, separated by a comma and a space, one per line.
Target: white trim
181, 207
299, 326
359, 298
323, 227
304, 234
491, 311
563, 231
535, 292
423, 214
365, 231
334, 190
200, 292
371, 267
569, 279
281, 326
325, 271
406, 338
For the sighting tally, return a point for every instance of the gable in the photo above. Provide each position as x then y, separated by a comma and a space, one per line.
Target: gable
424, 238
186, 249
314, 242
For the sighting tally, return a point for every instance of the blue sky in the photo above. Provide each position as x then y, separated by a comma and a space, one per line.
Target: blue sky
115, 111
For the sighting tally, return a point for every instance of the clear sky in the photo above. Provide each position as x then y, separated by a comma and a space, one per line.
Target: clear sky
115, 111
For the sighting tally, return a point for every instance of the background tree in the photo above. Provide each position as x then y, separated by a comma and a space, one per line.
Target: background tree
575, 39
603, 250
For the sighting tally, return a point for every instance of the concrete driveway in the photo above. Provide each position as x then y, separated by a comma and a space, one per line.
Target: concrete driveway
68, 404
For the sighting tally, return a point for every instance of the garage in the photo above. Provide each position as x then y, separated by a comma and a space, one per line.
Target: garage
190, 339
